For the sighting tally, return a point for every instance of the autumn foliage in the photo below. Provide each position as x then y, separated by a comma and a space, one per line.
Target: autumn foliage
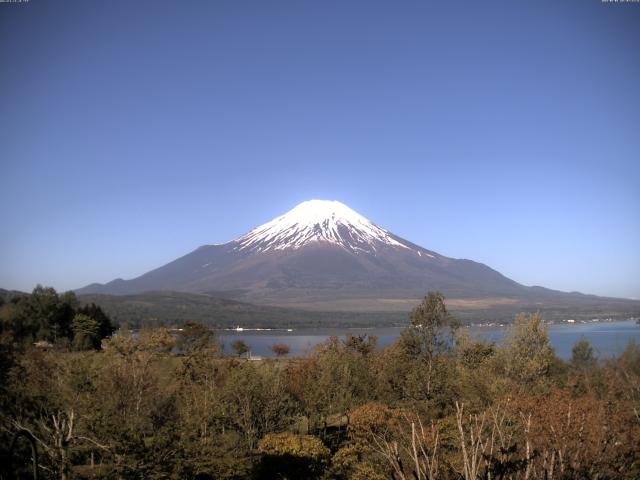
437, 404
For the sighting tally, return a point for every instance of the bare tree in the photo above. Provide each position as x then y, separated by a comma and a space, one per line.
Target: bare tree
55, 436
409, 447
473, 441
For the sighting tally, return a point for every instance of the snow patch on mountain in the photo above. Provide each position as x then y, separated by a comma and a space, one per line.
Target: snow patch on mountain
318, 221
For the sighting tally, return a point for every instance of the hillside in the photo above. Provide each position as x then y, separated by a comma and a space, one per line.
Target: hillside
174, 308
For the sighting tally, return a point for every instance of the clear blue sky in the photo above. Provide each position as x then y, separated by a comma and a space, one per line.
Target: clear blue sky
131, 132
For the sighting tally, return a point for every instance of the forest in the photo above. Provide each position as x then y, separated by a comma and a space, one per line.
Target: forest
80, 399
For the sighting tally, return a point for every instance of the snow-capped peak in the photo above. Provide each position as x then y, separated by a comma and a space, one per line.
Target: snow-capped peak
318, 221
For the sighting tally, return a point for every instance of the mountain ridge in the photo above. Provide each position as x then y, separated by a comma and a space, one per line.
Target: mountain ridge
325, 255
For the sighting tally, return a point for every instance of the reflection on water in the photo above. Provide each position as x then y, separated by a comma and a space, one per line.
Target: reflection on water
607, 338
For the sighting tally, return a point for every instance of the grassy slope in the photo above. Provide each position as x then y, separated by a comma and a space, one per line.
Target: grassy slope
172, 308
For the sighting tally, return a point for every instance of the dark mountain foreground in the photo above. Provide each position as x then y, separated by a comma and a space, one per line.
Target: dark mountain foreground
173, 308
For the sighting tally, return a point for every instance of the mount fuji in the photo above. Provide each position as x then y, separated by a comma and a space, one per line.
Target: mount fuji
324, 255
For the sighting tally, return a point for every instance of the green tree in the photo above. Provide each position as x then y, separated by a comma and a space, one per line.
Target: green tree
630, 357
256, 401
527, 356
43, 315
135, 411
582, 354
42, 307
105, 325
430, 335
432, 328
475, 379
332, 381
194, 338
240, 347
86, 332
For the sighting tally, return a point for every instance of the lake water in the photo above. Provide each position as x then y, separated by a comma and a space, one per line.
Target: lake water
607, 338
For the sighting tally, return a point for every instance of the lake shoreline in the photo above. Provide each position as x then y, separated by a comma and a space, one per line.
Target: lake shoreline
608, 337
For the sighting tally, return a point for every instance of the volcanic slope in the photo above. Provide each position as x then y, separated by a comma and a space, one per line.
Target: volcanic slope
324, 255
